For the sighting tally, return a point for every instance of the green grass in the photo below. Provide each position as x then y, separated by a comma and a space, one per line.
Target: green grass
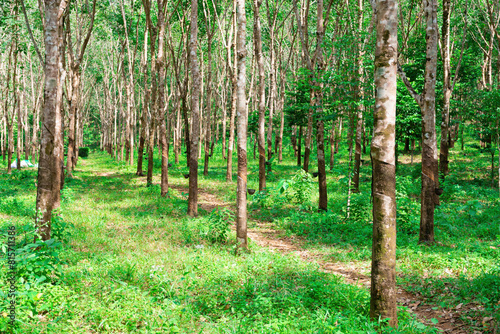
127, 260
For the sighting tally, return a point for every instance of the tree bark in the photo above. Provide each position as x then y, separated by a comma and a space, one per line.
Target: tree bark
195, 112
429, 144
261, 93
51, 154
210, 28
383, 277
445, 114
229, 172
145, 104
241, 204
161, 70
360, 97
320, 133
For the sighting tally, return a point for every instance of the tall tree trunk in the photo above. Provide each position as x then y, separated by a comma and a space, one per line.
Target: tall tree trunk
145, 104
51, 154
299, 147
161, 70
241, 193
320, 125
293, 139
195, 112
429, 144
19, 106
208, 131
73, 109
230, 145
281, 106
308, 139
229, 172
383, 278
272, 93
427, 102
224, 128
261, 93
360, 97
445, 114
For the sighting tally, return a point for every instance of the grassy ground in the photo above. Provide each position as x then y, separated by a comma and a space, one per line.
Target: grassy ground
126, 260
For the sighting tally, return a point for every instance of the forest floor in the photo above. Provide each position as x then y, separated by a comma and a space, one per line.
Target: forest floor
126, 260
266, 235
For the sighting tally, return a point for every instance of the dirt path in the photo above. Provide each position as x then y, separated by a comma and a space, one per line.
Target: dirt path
266, 236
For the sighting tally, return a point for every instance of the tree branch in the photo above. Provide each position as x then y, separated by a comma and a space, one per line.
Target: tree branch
408, 85
87, 38
31, 34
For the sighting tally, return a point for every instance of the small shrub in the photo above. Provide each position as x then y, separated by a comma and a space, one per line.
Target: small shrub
83, 152
299, 189
219, 223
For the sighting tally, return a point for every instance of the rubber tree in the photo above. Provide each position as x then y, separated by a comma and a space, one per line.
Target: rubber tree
427, 103
241, 110
195, 112
51, 153
383, 274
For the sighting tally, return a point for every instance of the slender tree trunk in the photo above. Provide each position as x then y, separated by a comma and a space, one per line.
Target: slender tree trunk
145, 104
241, 201
208, 131
447, 90
195, 112
360, 95
299, 147
383, 277
282, 120
229, 173
320, 125
161, 69
178, 131
308, 140
272, 94
10, 145
338, 136
19, 106
293, 139
261, 93
224, 128
73, 109
429, 144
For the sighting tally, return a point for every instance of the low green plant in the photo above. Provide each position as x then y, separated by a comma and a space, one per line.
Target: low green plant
83, 152
219, 223
299, 189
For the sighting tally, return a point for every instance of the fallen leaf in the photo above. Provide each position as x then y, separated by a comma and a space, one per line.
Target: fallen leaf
415, 305
459, 306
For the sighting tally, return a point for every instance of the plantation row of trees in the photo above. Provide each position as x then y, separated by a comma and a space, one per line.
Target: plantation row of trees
130, 76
